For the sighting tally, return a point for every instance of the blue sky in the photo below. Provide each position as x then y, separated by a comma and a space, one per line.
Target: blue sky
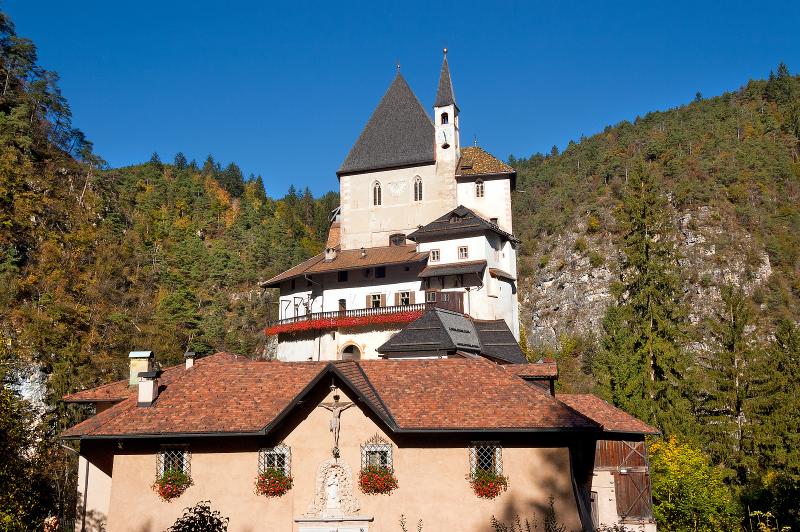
284, 89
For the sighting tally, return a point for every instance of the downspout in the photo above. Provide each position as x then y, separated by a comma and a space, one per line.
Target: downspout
85, 485
322, 302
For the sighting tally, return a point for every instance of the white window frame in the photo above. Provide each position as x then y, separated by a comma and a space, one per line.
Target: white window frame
407, 297
377, 447
479, 450
434, 256
166, 454
463, 252
372, 300
269, 456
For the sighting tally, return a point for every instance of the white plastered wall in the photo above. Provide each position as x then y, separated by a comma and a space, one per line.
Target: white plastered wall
603, 485
496, 200
94, 496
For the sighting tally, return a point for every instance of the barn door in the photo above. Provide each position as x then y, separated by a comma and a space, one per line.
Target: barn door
632, 482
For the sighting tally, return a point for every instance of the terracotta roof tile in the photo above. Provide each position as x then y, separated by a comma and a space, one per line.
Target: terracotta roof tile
225, 394
476, 161
547, 370
334, 233
610, 417
352, 259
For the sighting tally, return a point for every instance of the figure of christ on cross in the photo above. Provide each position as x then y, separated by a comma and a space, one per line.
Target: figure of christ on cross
336, 409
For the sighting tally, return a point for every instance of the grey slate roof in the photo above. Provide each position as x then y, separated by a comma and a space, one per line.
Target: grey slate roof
456, 268
459, 221
444, 332
444, 94
399, 133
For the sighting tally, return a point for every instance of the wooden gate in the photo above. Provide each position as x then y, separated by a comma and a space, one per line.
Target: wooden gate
627, 462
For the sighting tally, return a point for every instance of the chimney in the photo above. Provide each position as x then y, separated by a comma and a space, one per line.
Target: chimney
330, 254
363, 252
148, 387
139, 361
189, 356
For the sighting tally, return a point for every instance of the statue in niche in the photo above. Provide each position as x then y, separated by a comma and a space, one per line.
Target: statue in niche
332, 503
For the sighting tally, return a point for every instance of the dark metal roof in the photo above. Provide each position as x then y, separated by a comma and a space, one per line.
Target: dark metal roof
459, 221
457, 268
444, 332
399, 133
444, 94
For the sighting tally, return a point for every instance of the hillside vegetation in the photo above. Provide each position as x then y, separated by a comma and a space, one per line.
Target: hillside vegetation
661, 267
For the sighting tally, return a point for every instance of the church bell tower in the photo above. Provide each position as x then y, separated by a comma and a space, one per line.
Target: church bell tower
445, 117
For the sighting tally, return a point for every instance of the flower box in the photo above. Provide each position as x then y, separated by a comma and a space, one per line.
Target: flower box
377, 480
273, 483
488, 484
171, 484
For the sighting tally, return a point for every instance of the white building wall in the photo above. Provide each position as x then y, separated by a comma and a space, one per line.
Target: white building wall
496, 200
603, 485
94, 496
367, 225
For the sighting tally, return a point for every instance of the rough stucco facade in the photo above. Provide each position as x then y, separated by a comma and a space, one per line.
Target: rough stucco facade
431, 473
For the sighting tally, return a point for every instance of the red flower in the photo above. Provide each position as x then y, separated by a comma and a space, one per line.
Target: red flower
273, 482
488, 484
172, 484
334, 322
377, 480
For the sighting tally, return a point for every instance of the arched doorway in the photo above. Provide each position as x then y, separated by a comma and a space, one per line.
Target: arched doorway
351, 352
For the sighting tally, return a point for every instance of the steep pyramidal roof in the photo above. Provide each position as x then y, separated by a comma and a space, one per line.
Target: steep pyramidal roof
445, 95
398, 133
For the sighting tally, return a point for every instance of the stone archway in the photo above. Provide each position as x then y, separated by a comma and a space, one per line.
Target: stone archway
334, 495
350, 352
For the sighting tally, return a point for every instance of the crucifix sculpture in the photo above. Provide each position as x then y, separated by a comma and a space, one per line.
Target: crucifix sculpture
336, 408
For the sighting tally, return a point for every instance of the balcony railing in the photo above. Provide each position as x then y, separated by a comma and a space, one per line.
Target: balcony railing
354, 317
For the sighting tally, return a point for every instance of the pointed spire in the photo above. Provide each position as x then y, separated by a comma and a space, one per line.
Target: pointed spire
445, 95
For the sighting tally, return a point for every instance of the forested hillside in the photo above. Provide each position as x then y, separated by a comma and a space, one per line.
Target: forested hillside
95, 262
661, 266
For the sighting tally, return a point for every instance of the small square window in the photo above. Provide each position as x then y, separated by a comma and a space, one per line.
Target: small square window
486, 456
278, 457
404, 298
376, 452
380, 272
375, 300
174, 458
430, 296
434, 256
342, 277
463, 252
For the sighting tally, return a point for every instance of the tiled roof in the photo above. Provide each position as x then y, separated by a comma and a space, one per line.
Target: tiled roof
444, 93
460, 221
224, 394
334, 235
476, 161
537, 370
444, 332
399, 133
352, 259
610, 417
497, 272
454, 268
464, 393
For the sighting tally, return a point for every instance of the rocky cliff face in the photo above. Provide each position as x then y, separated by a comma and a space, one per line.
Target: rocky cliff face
569, 289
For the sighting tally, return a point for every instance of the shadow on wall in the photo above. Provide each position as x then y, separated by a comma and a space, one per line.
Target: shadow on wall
549, 479
92, 521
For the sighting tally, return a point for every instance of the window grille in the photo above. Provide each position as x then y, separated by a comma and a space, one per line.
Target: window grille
376, 452
174, 459
278, 457
486, 456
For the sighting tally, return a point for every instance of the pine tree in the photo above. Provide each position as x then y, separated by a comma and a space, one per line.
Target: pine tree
180, 161
725, 376
641, 364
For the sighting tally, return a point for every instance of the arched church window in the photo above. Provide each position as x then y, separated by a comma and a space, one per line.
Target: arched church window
418, 188
445, 119
479, 190
376, 193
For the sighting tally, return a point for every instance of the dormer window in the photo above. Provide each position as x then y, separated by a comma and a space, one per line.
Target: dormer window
418, 188
479, 190
445, 119
376, 193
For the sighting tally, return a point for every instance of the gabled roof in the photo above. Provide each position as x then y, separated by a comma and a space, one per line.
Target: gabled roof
442, 332
458, 222
352, 259
228, 395
610, 417
444, 94
399, 133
